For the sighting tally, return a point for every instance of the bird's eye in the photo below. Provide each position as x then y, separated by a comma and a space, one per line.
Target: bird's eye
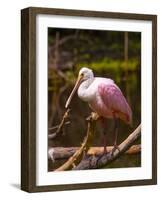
82, 74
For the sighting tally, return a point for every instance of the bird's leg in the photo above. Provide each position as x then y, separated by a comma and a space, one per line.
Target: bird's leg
115, 134
104, 140
104, 135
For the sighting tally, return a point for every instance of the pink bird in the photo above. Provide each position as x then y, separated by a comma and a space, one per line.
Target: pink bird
104, 97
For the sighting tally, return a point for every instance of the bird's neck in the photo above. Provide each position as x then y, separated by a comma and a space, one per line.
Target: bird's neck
85, 84
83, 91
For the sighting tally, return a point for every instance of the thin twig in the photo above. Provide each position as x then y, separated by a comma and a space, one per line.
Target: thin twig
57, 126
60, 126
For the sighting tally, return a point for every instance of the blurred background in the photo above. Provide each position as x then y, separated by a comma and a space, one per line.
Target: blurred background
111, 54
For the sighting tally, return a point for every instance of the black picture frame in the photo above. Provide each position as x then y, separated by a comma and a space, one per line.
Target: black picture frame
28, 98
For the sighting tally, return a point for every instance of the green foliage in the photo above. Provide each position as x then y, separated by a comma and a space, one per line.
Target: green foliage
106, 67
114, 66
71, 77
54, 81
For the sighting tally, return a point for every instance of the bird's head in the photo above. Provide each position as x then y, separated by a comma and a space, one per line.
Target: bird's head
84, 74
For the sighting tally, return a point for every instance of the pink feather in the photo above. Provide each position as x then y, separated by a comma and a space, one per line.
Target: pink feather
110, 103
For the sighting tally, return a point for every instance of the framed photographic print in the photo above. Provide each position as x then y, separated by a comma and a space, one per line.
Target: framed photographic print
89, 99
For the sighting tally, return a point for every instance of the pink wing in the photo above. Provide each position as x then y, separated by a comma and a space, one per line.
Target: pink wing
113, 98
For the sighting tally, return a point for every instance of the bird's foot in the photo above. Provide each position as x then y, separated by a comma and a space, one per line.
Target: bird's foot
116, 147
95, 116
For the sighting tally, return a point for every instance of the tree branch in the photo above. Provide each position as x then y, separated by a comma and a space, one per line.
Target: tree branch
57, 153
78, 155
60, 126
94, 162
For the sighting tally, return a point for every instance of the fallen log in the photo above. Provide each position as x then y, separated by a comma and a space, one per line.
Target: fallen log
56, 153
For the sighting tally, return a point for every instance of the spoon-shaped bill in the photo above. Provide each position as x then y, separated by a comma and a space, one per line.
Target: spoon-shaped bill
77, 84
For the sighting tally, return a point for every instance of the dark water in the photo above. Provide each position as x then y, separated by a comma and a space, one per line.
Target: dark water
75, 132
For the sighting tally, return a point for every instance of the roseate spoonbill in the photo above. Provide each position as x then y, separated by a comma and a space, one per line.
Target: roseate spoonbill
104, 97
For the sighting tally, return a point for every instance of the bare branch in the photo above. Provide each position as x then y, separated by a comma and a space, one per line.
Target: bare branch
60, 126
57, 126
94, 162
64, 40
84, 157
78, 155
56, 153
